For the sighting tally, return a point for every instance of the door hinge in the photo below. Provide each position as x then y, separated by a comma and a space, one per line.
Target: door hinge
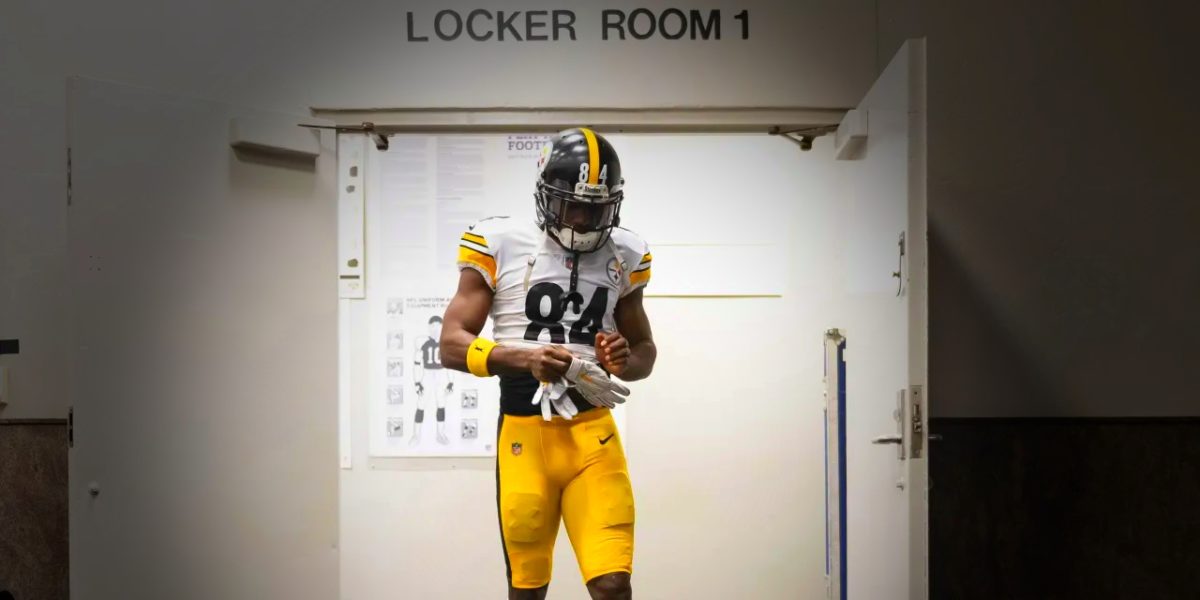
899, 272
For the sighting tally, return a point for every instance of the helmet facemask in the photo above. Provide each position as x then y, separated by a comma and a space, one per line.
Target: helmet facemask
579, 220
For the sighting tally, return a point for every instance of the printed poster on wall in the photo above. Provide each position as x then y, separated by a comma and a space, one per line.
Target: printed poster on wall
425, 408
422, 193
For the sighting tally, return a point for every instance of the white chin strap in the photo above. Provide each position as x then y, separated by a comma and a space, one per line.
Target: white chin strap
579, 242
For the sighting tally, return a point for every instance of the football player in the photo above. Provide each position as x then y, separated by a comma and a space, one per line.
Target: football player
565, 294
428, 361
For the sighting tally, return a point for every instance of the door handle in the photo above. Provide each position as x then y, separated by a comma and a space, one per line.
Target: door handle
887, 439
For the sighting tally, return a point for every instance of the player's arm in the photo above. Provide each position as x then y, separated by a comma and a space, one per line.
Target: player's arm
465, 318
629, 352
418, 368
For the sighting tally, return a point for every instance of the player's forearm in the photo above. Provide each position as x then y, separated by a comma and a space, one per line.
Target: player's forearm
641, 361
454, 346
507, 360
503, 360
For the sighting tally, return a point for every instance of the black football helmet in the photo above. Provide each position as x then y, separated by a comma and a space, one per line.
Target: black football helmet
579, 189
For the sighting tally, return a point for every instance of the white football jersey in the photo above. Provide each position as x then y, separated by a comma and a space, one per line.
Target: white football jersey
531, 276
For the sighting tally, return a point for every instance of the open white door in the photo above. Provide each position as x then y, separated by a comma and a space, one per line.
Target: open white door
203, 356
876, 390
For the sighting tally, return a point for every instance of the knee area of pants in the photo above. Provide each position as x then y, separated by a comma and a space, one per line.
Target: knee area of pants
535, 572
524, 517
616, 504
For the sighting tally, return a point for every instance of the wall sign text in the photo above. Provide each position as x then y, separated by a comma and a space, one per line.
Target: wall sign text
482, 25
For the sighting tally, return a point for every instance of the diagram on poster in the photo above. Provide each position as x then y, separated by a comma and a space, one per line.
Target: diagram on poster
427, 409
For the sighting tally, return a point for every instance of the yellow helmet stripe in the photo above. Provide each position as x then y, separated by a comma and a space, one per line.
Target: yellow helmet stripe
593, 156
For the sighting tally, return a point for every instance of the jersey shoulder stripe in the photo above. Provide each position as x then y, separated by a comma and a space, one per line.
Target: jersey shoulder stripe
477, 244
475, 240
639, 278
635, 252
481, 246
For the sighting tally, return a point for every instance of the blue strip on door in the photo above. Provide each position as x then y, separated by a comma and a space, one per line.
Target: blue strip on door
841, 407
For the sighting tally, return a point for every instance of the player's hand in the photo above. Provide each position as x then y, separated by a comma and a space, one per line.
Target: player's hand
612, 349
549, 363
595, 385
420, 388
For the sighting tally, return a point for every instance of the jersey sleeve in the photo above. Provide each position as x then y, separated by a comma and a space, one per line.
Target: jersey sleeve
478, 249
636, 253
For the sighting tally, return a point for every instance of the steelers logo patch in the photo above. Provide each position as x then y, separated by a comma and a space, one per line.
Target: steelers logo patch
614, 271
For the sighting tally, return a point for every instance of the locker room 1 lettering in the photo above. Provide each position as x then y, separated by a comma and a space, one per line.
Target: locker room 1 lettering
612, 25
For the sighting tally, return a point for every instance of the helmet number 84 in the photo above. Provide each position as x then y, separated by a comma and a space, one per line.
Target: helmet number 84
584, 171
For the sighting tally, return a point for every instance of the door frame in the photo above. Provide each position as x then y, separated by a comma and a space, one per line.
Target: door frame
712, 120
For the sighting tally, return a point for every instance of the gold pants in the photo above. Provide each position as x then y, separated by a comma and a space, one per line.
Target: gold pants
570, 469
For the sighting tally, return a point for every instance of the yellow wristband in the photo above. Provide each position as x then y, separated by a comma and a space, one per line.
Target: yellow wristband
477, 355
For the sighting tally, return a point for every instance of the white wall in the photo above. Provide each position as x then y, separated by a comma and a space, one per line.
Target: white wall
725, 440
203, 357
288, 56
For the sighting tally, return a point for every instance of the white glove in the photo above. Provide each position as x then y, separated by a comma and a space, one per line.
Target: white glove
554, 394
594, 384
